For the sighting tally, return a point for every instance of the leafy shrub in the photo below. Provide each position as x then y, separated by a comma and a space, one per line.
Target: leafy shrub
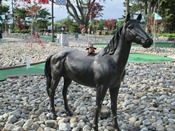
98, 32
16, 31
112, 32
104, 32
167, 35
25, 31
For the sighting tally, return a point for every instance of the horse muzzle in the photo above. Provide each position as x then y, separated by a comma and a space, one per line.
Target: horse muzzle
147, 43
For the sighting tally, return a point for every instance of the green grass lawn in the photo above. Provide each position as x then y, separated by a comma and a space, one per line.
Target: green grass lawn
147, 58
49, 38
2, 41
158, 44
34, 69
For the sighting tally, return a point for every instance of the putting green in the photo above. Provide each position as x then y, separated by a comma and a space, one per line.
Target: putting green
49, 38
147, 58
39, 68
34, 69
2, 41
158, 44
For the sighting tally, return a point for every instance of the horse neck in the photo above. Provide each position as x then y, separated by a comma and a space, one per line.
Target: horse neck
121, 54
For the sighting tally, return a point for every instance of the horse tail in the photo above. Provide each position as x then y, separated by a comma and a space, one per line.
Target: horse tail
47, 71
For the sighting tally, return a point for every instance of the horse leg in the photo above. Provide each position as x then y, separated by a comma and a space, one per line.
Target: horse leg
100, 94
54, 84
48, 87
67, 82
113, 96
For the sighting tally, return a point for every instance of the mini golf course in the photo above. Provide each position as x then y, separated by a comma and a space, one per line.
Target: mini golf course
147, 58
17, 71
37, 69
158, 44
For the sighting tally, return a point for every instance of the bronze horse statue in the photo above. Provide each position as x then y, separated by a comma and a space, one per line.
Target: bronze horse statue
103, 71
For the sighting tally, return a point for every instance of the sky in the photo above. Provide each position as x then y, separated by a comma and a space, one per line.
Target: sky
113, 9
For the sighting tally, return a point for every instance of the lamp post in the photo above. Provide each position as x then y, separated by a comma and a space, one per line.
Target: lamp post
52, 23
1, 22
12, 15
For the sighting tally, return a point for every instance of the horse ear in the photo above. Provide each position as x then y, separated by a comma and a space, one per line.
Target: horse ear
139, 17
127, 17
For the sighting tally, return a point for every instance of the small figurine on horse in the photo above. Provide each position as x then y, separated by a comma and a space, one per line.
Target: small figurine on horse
91, 50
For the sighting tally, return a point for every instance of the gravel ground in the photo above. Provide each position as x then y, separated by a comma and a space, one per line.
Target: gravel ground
146, 103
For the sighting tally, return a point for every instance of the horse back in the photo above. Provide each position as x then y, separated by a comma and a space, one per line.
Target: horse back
75, 64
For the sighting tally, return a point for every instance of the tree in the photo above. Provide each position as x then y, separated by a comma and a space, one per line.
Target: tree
100, 24
4, 10
164, 8
70, 25
32, 11
145, 6
20, 16
20, 12
110, 24
167, 12
84, 10
37, 16
42, 19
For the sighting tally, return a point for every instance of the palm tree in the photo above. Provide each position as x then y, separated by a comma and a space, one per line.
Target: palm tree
4, 10
20, 17
43, 17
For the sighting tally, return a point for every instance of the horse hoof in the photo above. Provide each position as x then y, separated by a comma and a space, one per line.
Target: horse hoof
116, 127
117, 130
54, 117
69, 113
95, 128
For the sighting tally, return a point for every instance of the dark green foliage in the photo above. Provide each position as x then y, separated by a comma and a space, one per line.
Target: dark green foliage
167, 11
69, 24
112, 32
164, 8
74, 28
4, 9
167, 34
25, 31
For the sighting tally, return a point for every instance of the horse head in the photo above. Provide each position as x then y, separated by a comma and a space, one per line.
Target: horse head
135, 33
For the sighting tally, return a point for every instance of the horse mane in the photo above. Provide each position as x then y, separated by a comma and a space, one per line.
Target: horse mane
113, 44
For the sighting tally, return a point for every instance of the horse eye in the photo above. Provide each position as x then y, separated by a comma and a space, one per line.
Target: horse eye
130, 26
